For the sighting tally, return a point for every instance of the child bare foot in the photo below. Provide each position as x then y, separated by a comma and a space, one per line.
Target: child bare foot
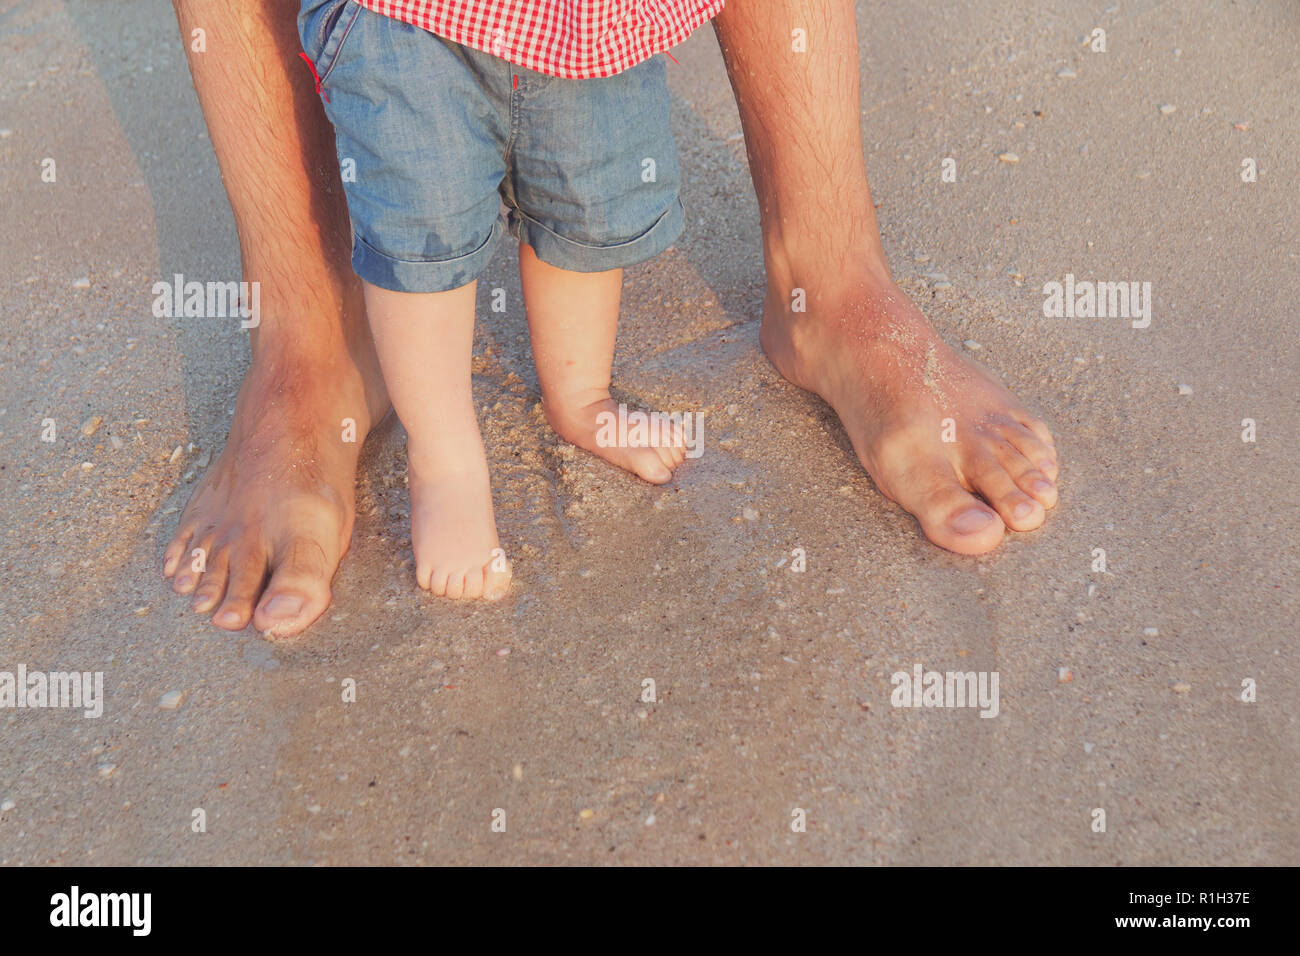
453, 531
573, 321
651, 452
424, 343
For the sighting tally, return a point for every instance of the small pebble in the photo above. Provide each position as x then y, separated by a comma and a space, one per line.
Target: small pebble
205, 459
87, 465
749, 513
1092, 590
650, 820
106, 769
1150, 632
503, 651
517, 772
91, 425
1067, 73
1167, 108
171, 700
642, 714
1087, 748
1009, 158
82, 283
587, 814
972, 345
1064, 675
116, 442
176, 455
1243, 127
1184, 389
9, 805
141, 611
6, 133
1181, 688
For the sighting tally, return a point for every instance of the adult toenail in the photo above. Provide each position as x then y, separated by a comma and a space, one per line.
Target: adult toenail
1047, 464
1023, 509
971, 520
228, 617
284, 605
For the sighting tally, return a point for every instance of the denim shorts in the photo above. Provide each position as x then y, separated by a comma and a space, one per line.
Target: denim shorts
434, 138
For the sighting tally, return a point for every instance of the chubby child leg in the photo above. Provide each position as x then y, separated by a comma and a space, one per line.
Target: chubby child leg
424, 342
572, 321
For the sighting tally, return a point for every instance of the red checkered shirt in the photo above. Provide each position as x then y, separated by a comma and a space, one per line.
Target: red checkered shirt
574, 39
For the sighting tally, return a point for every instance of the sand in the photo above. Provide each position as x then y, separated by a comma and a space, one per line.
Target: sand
772, 686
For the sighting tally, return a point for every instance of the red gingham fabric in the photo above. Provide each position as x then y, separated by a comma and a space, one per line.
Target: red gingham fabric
573, 39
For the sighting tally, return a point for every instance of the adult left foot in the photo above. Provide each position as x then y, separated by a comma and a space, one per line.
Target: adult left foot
937, 433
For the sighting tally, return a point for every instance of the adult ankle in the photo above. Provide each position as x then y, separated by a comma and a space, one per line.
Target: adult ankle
810, 275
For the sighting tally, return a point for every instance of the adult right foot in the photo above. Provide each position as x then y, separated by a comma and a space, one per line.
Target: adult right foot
273, 514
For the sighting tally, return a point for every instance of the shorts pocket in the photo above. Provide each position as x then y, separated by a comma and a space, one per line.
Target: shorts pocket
323, 25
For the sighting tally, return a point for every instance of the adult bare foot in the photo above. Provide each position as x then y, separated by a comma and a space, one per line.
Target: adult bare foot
937, 433
273, 514
862, 345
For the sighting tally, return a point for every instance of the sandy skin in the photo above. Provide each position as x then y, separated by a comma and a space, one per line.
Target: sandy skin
936, 432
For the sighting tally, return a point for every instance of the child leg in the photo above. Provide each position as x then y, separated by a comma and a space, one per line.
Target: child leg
424, 342
572, 321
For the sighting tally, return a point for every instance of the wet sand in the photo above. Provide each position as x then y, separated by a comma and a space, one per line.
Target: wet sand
773, 686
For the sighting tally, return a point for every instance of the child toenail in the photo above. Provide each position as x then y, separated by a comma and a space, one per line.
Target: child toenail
228, 617
1042, 484
1023, 509
971, 521
284, 605
1047, 464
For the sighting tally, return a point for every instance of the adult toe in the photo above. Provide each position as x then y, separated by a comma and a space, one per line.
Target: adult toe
950, 515
299, 589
